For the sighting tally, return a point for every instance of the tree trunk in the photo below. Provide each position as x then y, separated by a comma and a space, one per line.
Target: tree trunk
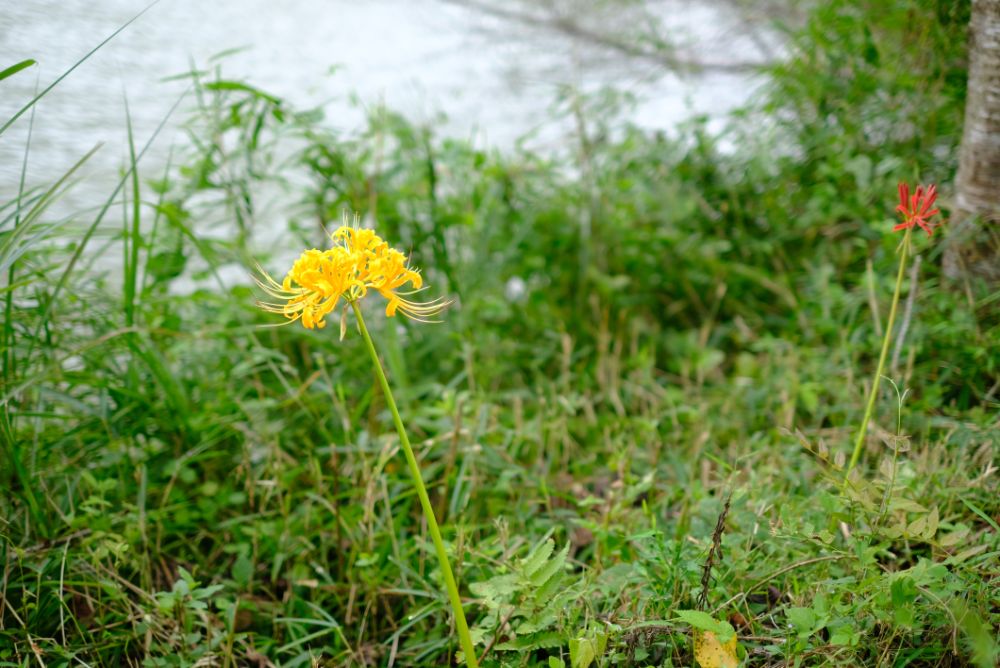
973, 250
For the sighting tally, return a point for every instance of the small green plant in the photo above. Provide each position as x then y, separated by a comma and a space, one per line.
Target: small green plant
629, 336
182, 625
525, 608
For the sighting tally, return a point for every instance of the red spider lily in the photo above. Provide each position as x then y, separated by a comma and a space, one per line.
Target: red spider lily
916, 209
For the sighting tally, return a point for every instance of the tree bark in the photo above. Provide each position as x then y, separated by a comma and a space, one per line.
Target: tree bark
973, 250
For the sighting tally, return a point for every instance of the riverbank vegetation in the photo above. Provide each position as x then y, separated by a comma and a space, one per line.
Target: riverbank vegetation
634, 421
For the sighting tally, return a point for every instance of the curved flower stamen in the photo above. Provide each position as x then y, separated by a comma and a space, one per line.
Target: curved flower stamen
358, 261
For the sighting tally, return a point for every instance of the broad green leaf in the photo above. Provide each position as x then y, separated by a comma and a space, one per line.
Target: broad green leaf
917, 526
703, 621
803, 619
903, 590
581, 652
242, 570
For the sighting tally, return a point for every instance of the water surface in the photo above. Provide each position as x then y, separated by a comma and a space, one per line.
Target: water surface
421, 57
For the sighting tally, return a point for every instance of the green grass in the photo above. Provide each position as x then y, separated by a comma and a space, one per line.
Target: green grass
182, 486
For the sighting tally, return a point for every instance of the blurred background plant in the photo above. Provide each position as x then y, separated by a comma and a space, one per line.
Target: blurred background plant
644, 321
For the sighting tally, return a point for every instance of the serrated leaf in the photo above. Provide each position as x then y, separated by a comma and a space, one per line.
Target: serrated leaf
547, 591
537, 558
539, 622
546, 616
548, 640
550, 568
495, 590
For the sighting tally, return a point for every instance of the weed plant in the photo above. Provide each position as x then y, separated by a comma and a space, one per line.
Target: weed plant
645, 324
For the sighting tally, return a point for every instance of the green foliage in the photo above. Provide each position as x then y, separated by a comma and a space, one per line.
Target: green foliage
525, 607
630, 342
703, 621
585, 651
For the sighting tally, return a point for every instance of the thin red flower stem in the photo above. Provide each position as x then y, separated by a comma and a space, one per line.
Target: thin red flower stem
873, 393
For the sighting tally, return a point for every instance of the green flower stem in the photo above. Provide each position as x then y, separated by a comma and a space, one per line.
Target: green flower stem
873, 394
425, 502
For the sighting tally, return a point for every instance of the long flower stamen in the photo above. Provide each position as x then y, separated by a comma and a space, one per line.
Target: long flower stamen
358, 261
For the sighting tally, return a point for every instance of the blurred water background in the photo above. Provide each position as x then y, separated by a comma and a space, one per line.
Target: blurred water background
469, 72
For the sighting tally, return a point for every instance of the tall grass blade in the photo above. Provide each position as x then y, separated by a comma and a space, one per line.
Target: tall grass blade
11, 250
9, 358
78, 252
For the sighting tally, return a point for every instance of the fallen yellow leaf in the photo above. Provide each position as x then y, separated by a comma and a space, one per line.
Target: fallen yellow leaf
710, 653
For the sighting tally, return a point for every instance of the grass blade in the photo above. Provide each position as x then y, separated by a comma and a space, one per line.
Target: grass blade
64, 277
8, 252
65, 74
16, 67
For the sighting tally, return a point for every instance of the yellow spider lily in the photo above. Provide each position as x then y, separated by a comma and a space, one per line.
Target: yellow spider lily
358, 260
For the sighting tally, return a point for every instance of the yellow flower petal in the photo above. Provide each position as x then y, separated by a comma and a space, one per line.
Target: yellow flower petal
359, 260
